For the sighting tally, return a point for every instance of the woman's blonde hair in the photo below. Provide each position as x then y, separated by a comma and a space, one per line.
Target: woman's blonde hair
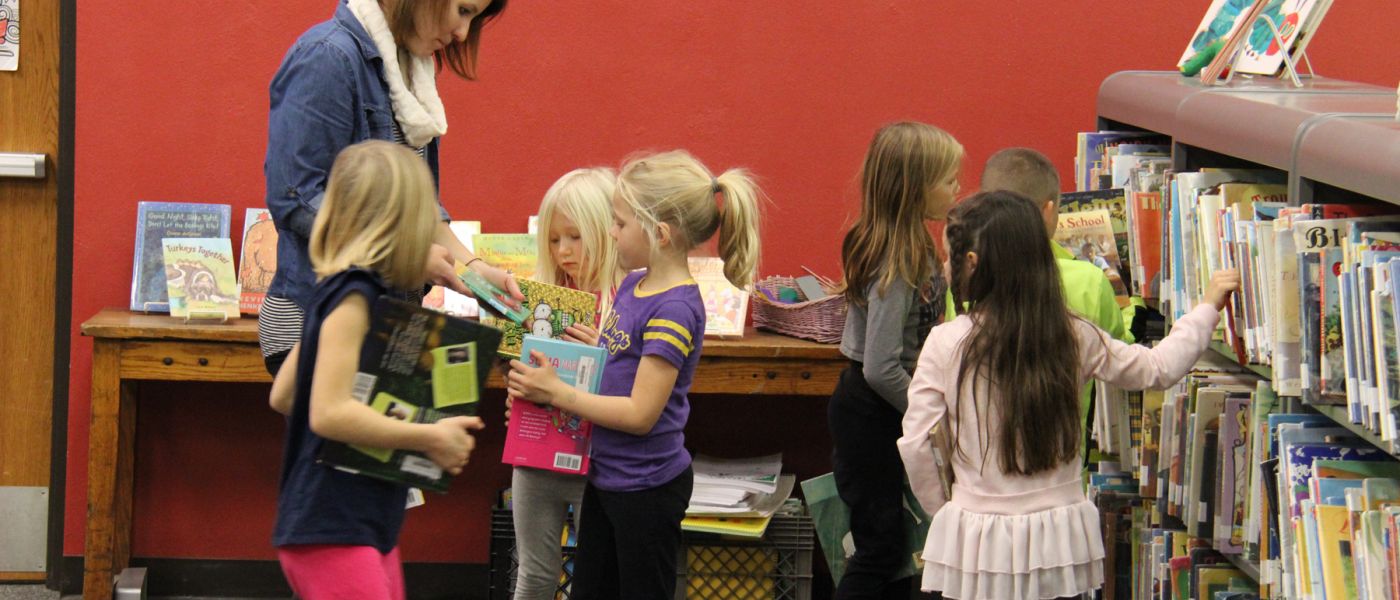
403, 17
890, 241
584, 196
676, 189
379, 212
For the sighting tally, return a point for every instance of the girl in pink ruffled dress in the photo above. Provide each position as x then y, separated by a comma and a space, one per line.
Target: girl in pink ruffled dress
1003, 378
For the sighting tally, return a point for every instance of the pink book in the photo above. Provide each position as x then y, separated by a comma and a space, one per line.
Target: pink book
544, 437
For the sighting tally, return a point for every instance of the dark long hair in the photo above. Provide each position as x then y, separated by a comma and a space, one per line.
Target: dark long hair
1023, 343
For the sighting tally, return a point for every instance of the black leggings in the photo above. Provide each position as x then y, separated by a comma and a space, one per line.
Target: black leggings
870, 480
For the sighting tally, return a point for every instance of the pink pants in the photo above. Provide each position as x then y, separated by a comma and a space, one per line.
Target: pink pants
318, 572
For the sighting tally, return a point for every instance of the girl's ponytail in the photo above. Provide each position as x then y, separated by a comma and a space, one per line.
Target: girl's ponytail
738, 226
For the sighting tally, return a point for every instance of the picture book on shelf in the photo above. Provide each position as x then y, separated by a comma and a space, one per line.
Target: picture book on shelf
545, 437
259, 259
1089, 237
1296, 20
548, 309
156, 221
1221, 18
725, 305
200, 279
1115, 202
514, 252
416, 365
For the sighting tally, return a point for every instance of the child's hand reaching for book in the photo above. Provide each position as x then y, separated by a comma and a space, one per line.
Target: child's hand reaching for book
1222, 284
538, 384
582, 334
450, 444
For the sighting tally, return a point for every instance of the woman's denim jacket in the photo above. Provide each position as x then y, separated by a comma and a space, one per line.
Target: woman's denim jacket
329, 93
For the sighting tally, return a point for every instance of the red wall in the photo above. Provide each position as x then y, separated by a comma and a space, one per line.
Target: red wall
172, 101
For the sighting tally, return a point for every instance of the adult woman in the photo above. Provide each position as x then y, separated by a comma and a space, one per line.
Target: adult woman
367, 73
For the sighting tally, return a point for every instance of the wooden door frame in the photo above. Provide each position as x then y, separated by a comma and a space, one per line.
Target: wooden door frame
63, 288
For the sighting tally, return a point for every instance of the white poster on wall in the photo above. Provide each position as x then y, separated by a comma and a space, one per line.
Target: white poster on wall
9, 35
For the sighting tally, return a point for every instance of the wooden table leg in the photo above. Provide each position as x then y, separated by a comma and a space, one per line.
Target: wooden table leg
111, 441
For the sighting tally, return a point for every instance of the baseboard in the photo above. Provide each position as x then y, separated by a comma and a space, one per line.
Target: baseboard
187, 577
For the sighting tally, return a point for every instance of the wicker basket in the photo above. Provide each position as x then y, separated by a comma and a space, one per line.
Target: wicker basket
819, 320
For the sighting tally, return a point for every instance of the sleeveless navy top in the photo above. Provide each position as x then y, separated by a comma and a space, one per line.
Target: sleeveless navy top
318, 504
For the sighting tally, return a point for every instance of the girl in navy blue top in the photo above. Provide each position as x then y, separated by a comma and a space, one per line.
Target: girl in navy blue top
336, 533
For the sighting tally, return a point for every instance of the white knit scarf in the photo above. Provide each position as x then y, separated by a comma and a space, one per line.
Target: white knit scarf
419, 112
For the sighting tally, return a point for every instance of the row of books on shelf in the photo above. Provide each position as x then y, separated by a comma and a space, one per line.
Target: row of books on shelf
1318, 298
199, 270
1222, 490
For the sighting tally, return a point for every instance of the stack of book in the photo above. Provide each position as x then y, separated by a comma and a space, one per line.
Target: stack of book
736, 497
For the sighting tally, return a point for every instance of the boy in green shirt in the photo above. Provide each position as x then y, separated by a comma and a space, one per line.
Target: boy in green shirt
1087, 291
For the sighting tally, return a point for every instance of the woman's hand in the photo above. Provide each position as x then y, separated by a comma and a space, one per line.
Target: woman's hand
441, 270
501, 279
540, 385
582, 334
1222, 284
450, 443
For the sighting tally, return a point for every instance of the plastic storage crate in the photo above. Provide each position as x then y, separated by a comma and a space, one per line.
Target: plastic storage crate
777, 567
504, 562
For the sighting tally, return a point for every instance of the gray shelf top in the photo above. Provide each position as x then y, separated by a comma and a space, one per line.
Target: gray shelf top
1151, 99
1357, 153
1262, 126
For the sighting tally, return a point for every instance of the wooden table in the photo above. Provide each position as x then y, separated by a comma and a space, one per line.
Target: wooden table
130, 347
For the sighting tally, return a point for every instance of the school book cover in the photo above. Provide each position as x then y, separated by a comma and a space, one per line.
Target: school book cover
156, 221
1088, 235
549, 310
545, 437
200, 279
416, 365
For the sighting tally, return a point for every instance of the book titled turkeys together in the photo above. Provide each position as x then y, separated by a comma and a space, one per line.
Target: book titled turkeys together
416, 365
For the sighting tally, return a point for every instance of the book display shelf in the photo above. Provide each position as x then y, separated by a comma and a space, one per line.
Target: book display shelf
1334, 141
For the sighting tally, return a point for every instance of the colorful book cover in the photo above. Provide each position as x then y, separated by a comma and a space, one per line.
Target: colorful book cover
1296, 20
545, 437
514, 252
156, 221
1334, 548
259, 259
1089, 237
726, 306
1235, 449
1221, 18
549, 310
199, 277
1301, 459
416, 365
1115, 201
1148, 234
